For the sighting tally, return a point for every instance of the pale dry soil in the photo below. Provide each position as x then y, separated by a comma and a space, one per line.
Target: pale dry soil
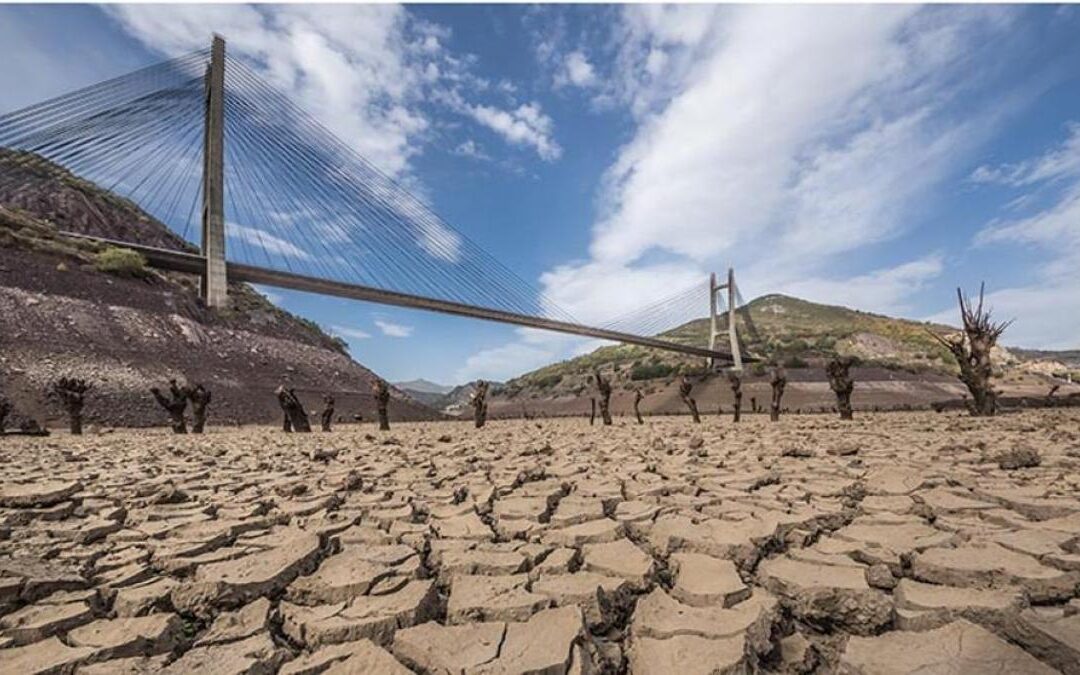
891, 544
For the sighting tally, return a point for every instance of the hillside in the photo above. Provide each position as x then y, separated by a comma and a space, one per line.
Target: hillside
63, 310
912, 366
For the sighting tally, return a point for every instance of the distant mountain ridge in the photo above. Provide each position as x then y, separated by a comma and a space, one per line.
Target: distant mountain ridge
423, 386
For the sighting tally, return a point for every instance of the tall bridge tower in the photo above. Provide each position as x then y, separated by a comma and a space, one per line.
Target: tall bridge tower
714, 317
214, 286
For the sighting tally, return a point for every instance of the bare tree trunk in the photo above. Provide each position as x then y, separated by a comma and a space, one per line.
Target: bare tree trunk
296, 418
638, 396
753, 404
479, 403
174, 404
842, 384
604, 387
200, 401
972, 352
778, 380
736, 390
71, 392
327, 415
592, 411
381, 390
684, 393
5, 410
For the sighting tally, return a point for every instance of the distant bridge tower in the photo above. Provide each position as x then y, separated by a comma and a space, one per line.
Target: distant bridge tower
714, 317
214, 287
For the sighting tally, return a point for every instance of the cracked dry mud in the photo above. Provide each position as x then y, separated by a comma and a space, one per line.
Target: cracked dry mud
891, 544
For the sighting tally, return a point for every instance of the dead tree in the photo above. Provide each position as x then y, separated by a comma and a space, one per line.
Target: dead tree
5, 410
842, 385
685, 387
327, 414
175, 404
479, 403
200, 400
778, 380
604, 387
972, 352
736, 391
296, 418
592, 411
71, 392
638, 396
381, 391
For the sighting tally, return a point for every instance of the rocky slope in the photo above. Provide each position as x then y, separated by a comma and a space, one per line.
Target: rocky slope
60, 313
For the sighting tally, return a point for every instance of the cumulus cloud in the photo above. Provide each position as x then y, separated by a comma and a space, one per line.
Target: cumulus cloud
526, 125
576, 71
395, 330
266, 241
885, 291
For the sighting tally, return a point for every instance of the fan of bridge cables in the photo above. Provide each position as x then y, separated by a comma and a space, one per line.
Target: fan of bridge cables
668, 314
297, 199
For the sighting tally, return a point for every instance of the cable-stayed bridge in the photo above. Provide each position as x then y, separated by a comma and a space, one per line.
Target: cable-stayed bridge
256, 190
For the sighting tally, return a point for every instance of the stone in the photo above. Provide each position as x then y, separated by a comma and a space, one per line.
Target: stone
434, 648
374, 618
620, 558
688, 655
604, 600
591, 532
827, 594
241, 624
361, 657
492, 598
37, 494
131, 636
990, 565
340, 577
879, 576
47, 656
958, 647
703, 581
256, 654
1051, 637
34, 623
661, 617
143, 598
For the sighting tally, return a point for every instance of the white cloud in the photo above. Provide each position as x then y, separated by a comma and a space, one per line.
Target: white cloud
576, 71
768, 145
265, 240
395, 330
886, 291
470, 148
350, 332
357, 68
1059, 162
1047, 309
526, 125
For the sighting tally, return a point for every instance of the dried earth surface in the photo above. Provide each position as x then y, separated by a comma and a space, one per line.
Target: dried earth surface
892, 544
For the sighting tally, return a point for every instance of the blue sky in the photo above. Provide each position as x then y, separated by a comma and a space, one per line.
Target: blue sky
872, 156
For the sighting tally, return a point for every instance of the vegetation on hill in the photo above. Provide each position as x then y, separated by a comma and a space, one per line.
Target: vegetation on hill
794, 332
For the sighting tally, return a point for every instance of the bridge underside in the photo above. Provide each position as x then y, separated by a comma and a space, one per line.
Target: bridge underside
192, 263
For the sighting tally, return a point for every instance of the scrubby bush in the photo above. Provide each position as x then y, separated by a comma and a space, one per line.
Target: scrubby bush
650, 371
1019, 457
122, 262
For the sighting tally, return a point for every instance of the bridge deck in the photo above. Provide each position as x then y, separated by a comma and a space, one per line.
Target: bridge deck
191, 263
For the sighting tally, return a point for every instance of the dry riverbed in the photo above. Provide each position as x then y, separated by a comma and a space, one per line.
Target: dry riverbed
895, 543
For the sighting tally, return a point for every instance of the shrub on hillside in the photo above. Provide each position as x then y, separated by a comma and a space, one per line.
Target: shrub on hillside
650, 371
122, 262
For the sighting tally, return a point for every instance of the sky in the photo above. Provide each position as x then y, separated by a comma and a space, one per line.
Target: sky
870, 156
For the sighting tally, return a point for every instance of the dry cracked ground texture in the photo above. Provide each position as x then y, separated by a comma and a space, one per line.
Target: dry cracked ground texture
892, 544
